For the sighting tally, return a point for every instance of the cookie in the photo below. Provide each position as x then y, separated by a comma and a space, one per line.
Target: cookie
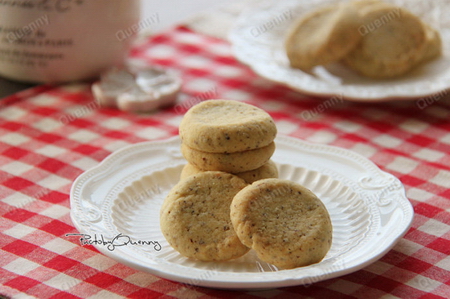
364, 4
195, 217
228, 162
226, 126
284, 222
323, 36
393, 41
268, 170
433, 44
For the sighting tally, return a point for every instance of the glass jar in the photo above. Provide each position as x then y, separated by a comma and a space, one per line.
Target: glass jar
54, 41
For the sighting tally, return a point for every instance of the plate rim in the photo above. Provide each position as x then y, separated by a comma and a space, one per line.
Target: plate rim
128, 260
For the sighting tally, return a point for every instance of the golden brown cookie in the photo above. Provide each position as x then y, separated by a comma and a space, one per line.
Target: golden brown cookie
226, 126
195, 217
364, 4
433, 46
393, 41
268, 170
323, 36
228, 162
284, 222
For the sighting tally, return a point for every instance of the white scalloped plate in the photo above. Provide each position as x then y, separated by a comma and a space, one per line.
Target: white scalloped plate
258, 36
123, 195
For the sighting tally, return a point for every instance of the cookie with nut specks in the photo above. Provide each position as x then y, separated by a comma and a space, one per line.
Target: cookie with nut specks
284, 222
228, 162
195, 217
226, 126
268, 170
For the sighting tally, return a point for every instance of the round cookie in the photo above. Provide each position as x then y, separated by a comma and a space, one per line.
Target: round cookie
228, 162
226, 126
195, 217
402, 34
268, 170
323, 36
284, 222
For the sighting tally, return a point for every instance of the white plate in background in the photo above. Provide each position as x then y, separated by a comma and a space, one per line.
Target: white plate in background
258, 41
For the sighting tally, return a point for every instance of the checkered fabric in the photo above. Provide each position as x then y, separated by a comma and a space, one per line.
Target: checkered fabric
51, 134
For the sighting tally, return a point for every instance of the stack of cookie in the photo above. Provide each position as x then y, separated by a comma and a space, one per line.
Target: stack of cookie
228, 136
230, 200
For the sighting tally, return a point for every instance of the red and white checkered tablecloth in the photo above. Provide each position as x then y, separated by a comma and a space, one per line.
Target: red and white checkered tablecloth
51, 134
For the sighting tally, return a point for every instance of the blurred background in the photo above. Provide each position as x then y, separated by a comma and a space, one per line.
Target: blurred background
173, 11
168, 12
